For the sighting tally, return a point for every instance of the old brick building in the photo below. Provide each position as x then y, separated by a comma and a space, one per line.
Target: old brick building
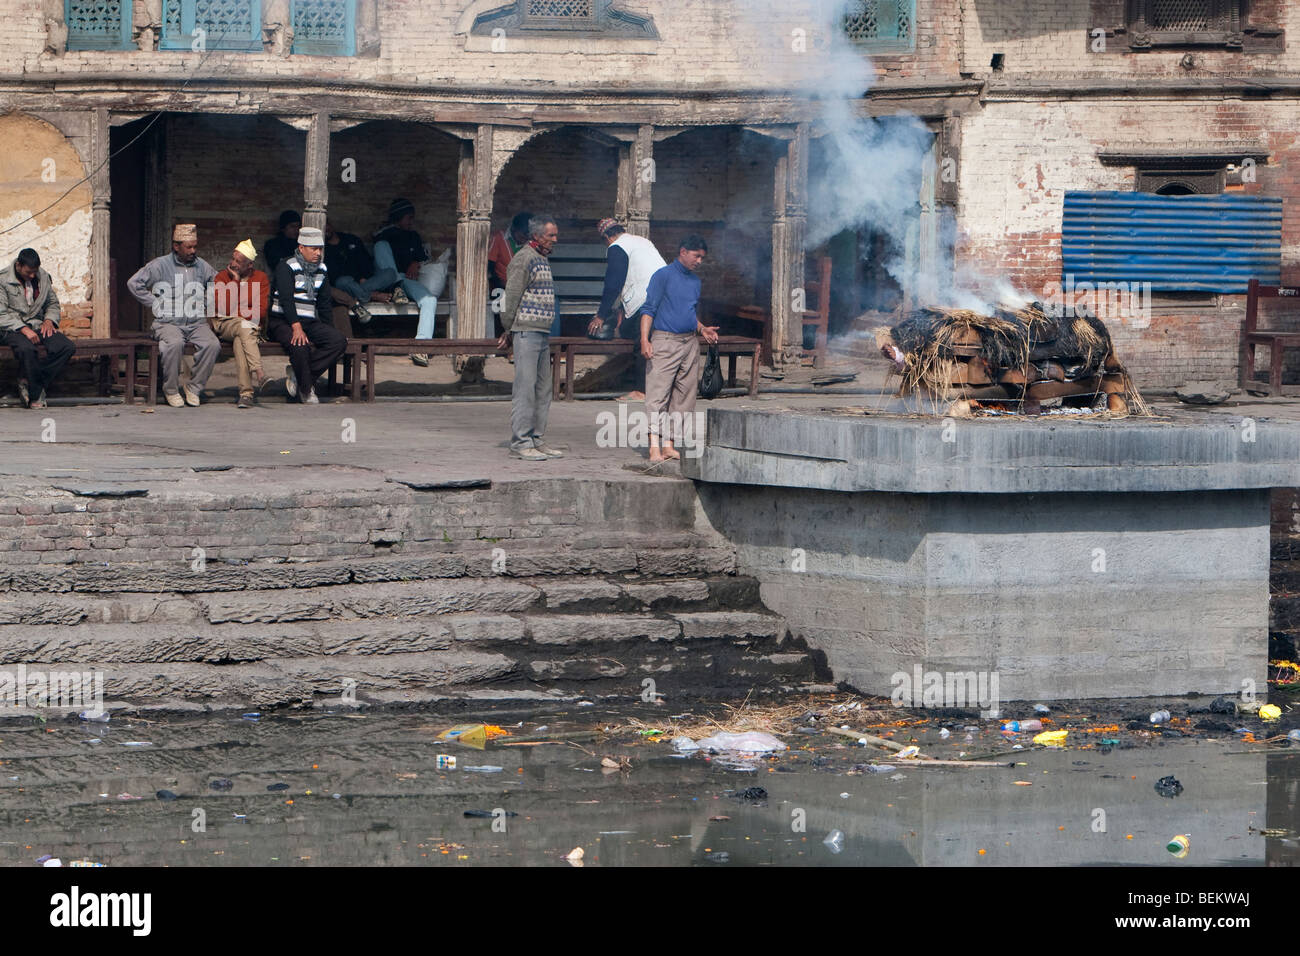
719, 116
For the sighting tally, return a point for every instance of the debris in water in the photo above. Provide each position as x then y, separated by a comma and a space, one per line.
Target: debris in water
1168, 787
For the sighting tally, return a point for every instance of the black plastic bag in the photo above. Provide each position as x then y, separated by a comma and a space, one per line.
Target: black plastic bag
711, 377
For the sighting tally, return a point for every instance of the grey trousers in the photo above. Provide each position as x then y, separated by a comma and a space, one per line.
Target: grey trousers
530, 399
172, 339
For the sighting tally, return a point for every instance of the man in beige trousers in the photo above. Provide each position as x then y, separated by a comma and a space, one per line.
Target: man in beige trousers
669, 329
241, 295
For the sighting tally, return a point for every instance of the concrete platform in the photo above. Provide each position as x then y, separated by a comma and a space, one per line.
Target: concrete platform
1051, 559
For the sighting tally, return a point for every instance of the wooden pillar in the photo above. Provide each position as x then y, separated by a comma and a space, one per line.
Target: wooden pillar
316, 172
473, 231
100, 221
789, 228
636, 175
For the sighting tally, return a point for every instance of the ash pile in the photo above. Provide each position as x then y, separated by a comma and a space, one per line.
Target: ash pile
1022, 361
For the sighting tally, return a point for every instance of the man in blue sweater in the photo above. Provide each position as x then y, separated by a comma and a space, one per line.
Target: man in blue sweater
669, 326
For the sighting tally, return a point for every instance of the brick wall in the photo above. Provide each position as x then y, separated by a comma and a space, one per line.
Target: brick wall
1019, 158
1054, 38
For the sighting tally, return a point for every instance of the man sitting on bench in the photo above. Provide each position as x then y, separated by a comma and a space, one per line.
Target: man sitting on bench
29, 316
241, 297
300, 317
353, 279
399, 247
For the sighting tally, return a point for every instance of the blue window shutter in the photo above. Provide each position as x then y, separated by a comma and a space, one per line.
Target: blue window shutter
98, 24
881, 26
1177, 243
227, 24
325, 27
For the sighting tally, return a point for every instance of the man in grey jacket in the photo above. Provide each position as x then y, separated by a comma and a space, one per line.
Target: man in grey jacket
527, 314
29, 316
175, 287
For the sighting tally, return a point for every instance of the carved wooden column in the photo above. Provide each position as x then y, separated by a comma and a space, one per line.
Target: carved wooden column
100, 227
636, 177
789, 228
316, 172
473, 231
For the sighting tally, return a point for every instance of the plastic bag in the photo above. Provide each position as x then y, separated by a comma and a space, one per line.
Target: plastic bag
750, 742
711, 376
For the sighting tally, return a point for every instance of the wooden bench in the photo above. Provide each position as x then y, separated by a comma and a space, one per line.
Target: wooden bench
127, 352
363, 380
567, 348
1278, 342
351, 359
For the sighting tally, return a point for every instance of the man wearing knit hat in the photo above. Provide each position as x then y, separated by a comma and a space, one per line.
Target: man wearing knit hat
630, 262
300, 317
241, 299
398, 246
175, 288
283, 244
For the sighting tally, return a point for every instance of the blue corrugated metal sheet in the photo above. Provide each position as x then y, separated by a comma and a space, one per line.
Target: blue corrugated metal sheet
1177, 243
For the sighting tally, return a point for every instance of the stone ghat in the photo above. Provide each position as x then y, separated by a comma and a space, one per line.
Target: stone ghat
196, 592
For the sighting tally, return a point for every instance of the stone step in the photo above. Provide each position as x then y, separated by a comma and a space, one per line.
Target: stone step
388, 599
58, 647
296, 681
186, 575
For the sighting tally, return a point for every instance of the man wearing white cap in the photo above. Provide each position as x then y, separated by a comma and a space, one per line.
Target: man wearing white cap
241, 298
300, 317
175, 288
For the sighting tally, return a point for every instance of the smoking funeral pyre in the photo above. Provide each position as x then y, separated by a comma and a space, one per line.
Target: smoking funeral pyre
1009, 362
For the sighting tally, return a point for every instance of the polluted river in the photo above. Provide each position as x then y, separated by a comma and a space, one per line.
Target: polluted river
576, 784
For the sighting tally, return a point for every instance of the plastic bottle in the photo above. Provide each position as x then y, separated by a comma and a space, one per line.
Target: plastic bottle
834, 841
1179, 845
1015, 726
1160, 717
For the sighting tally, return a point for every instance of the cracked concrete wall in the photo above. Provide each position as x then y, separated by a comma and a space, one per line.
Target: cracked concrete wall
37, 168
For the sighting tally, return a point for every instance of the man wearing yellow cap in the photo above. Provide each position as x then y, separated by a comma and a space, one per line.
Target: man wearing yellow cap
241, 296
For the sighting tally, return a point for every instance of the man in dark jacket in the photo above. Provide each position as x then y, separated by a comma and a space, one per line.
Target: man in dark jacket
29, 316
353, 278
399, 247
282, 245
300, 317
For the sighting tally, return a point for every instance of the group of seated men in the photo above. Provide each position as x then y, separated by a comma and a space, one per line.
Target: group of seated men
319, 278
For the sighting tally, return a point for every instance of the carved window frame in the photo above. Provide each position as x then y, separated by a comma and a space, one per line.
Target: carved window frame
897, 17
120, 40
1225, 22
181, 36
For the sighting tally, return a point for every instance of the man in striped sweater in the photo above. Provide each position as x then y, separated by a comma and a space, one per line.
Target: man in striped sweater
300, 317
527, 314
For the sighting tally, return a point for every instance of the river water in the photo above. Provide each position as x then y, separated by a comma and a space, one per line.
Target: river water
364, 788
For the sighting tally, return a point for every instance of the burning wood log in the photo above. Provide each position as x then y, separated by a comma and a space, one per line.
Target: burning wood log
1022, 357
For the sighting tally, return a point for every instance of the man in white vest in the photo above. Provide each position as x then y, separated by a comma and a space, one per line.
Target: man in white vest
630, 262
300, 317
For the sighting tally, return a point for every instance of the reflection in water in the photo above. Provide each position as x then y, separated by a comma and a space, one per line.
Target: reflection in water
340, 789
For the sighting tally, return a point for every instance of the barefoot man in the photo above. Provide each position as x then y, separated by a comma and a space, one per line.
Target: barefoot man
669, 326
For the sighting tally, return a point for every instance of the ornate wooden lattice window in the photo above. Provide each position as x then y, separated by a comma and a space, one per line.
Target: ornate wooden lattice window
225, 24
882, 26
594, 18
1153, 23
98, 24
325, 27
557, 14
